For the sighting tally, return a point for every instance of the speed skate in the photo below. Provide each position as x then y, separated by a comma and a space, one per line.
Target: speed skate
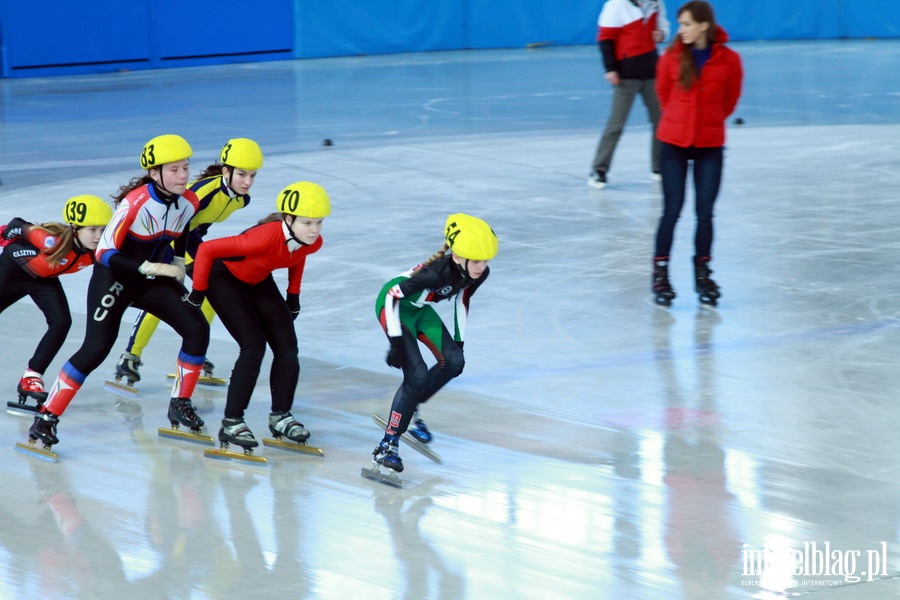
412, 442
22, 408
223, 453
115, 385
206, 380
382, 475
301, 447
41, 451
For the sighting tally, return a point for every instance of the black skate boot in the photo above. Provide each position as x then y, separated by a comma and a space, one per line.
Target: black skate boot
182, 412
420, 430
387, 455
127, 367
44, 429
662, 290
208, 368
283, 424
235, 431
706, 288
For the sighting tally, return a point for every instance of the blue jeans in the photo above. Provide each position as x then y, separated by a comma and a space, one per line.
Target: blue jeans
674, 162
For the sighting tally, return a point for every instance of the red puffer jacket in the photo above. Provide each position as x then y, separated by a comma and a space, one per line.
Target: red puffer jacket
696, 116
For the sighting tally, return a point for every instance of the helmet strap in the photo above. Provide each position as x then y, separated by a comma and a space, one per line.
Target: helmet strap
227, 179
291, 231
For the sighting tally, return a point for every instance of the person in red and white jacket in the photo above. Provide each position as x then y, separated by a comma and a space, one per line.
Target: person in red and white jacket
699, 83
627, 33
235, 275
35, 256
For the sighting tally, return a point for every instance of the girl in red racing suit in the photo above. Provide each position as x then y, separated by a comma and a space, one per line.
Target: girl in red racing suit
34, 258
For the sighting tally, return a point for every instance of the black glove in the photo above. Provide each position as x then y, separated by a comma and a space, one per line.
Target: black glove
195, 298
14, 228
293, 302
396, 355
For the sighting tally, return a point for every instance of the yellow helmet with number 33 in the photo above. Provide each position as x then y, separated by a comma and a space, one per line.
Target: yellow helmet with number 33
165, 149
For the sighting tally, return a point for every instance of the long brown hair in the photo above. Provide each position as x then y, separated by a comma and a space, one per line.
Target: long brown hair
436, 256
65, 238
701, 12
135, 182
212, 170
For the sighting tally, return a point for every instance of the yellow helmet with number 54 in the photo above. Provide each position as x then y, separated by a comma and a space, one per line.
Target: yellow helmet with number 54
304, 199
87, 211
470, 238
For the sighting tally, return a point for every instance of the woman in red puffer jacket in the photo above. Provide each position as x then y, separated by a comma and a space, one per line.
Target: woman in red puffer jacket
698, 81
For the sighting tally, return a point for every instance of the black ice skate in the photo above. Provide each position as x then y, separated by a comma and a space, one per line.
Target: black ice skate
386, 455
127, 367
284, 425
182, 412
42, 431
235, 431
707, 289
663, 294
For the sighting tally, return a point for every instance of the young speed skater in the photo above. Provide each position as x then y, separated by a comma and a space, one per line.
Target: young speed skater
222, 188
136, 266
235, 275
34, 258
404, 309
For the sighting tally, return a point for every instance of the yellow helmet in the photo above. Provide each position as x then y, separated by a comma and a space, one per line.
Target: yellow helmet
242, 153
470, 238
164, 149
304, 199
87, 211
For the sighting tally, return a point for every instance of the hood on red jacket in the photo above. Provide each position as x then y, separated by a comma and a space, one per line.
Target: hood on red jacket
719, 36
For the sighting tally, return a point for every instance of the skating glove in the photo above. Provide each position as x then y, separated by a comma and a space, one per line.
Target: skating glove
293, 302
195, 298
396, 355
15, 228
154, 269
178, 261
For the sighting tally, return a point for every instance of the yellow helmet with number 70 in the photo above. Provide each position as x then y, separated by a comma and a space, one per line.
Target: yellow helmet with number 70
87, 211
470, 238
304, 199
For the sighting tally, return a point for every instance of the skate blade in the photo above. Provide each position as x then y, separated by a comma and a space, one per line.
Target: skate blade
32, 449
177, 434
381, 477
293, 446
222, 454
412, 442
204, 380
21, 409
120, 388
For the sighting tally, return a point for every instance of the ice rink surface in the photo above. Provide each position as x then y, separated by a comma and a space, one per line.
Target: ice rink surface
595, 446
